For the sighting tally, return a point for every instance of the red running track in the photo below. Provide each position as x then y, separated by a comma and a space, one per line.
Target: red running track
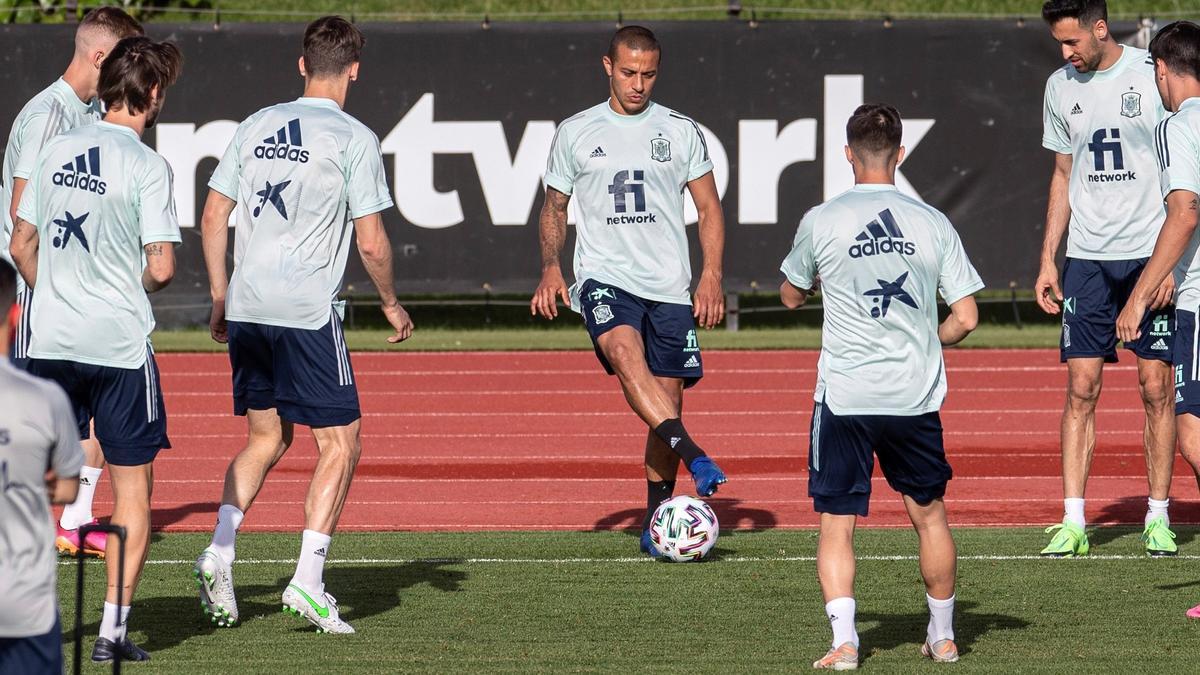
544, 440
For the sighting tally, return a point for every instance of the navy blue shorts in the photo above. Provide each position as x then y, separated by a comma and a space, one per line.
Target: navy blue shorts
1095, 292
126, 405
1187, 377
35, 655
668, 330
304, 374
18, 355
841, 458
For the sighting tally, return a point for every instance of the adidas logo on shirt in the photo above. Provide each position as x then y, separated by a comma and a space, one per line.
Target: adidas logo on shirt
287, 143
1160, 345
692, 362
1076, 110
882, 235
83, 173
598, 152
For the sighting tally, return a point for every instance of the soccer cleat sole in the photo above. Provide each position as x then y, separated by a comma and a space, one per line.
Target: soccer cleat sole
218, 615
1161, 554
67, 548
287, 609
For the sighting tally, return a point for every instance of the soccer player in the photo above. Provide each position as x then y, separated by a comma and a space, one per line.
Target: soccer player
68, 103
300, 174
628, 161
95, 232
881, 379
1099, 118
40, 459
1176, 53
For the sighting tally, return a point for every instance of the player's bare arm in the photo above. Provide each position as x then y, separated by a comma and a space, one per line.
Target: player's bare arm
963, 318
376, 252
160, 266
214, 237
1058, 217
1183, 209
61, 489
23, 249
708, 305
552, 234
18, 190
792, 296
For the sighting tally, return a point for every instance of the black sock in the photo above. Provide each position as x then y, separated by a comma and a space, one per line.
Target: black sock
673, 434
657, 492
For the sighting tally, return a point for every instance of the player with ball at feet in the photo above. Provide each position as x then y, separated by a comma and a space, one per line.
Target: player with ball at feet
881, 379
627, 161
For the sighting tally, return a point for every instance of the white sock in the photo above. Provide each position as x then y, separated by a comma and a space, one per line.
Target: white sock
310, 568
229, 519
1158, 507
114, 621
941, 619
841, 617
1073, 511
79, 512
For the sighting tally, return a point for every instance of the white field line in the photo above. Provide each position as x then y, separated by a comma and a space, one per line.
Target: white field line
642, 560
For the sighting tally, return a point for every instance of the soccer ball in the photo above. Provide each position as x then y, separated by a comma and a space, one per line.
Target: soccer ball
684, 529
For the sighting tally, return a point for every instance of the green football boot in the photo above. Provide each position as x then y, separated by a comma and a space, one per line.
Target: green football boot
1159, 539
1070, 541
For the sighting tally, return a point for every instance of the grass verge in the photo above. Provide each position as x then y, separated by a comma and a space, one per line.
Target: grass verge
579, 601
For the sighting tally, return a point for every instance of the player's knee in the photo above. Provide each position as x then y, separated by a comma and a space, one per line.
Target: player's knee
1083, 392
622, 356
1156, 393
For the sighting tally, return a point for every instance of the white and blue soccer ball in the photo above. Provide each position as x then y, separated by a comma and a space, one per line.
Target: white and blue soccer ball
684, 529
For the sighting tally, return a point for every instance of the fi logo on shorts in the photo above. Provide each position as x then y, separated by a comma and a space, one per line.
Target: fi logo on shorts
287, 143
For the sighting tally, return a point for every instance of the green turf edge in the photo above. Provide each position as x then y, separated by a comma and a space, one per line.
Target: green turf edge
432, 612
1039, 336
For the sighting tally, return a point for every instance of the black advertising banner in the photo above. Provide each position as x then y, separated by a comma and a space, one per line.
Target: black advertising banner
466, 116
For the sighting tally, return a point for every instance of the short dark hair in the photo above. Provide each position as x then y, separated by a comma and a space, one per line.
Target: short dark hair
135, 66
874, 129
331, 45
1088, 12
1178, 46
634, 37
113, 21
8, 291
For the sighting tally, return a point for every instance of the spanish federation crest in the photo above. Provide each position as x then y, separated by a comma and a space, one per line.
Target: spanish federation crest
1131, 104
602, 313
660, 150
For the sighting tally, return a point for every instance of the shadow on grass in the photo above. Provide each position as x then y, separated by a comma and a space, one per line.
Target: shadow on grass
896, 630
1133, 510
362, 591
730, 513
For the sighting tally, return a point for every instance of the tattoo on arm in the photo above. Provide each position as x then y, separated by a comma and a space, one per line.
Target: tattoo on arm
1195, 205
553, 226
154, 249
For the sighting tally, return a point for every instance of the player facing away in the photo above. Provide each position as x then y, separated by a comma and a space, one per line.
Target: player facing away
70, 102
40, 460
881, 379
1100, 112
96, 231
626, 162
303, 176
1176, 53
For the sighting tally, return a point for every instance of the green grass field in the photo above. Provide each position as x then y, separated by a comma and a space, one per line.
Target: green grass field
580, 602
987, 336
